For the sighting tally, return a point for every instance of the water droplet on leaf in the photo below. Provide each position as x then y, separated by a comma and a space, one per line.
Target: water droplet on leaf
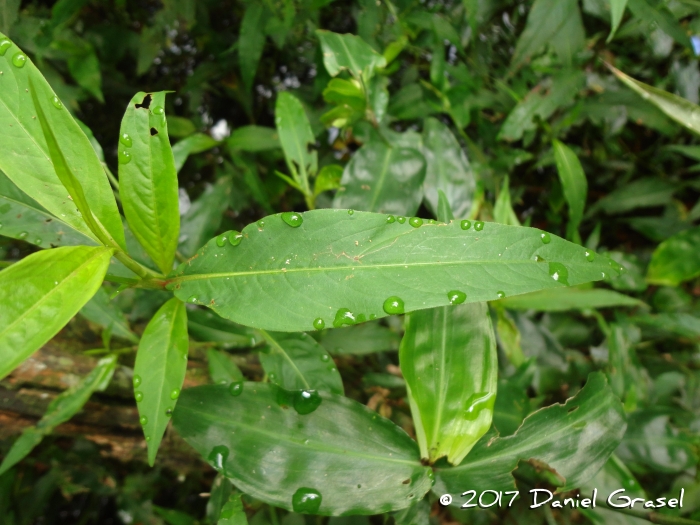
169, 412
306, 501
125, 139
235, 237
261, 224
325, 358
158, 110
546, 238
19, 60
292, 218
124, 157
500, 294
390, 219
5, 44
350, 212
22, 235
306, 401
456, 297
56, 102
344, 317
416, 222
590, 256
559, 273
235, 388
193, 299
143, 420
218, 456
401, 219
319, 324
38, 241
138, 396
175, 393
221, 240
394, 305
465, 225
137, 381
478, 225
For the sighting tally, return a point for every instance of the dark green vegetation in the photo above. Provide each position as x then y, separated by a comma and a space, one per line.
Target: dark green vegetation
415, 249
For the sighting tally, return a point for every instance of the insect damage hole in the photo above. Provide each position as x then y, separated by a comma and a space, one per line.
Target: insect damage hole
154, 132
146, 102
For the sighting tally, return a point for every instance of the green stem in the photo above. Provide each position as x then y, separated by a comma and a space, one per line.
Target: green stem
653, 517
113, 181
137, 268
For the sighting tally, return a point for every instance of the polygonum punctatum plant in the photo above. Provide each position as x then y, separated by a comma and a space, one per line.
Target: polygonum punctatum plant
295, 441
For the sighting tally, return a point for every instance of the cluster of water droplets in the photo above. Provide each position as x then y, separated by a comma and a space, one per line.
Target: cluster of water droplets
124, 155
19, 59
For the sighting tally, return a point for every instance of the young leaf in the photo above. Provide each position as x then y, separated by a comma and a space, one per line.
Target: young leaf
27, 160
196, 143
447, 169
342, 268
296, 138
342, 458
349, 52
100, 310
562, 299
159, 371
233, 513
384, 179
679, 109
617, 9
575, 185
251, 42
147, 178
222, 369
298, 362
41, 293
24, 218
676, 259
448, 359
203, 218
574, 439
61, 409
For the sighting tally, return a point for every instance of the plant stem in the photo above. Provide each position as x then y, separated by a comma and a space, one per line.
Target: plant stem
653, 517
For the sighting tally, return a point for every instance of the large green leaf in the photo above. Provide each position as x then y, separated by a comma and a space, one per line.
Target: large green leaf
384, 179
25, 156
298, 362
574, 439
447, 169
61, 409
296, 138
251, 42
348, 52
448, 359
100, 310
337, 268
676, 259
562, 299
147, 178
21, 217
575, 185
41, 293
159, 371
351, 459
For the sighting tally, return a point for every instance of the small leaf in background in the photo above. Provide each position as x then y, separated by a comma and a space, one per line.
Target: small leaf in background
253, 139
100, 310
349, 52
562, 299
444, 211
575, 185
447, 169
204, 216
335, 460
574, 439
367, 338
41, 293
677, 259
8, 14
296, 138
85, 69
298, 362
508, 334
383, 179
60, 410
147, 178
159, 371
208, 327
448, 359
196, 143
180, 127
617, 10
658, 15
503, 209
222, 369
232, 513
251, 42
328, 178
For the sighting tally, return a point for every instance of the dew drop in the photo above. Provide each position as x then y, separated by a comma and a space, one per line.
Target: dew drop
390, 219
193, 299
22, 235
306, 501
500, 294
56, 102
5, 44
221, 240
416, 222
350, 212
590, 256
235, 237
261, 224
306, 401
602, 274
456, 297
477, 403
401, 219
38, 241
539, 259
393, 305
137, 381
579, 425
559, 273
292, 218
138, 396
175, 393
148, 438
125, 139
143, 420
546, 238
124, 157
272, 376
19, 59
319, 324
217, 457
372, 317
169, 412
478, 225
235, 388
158, 110
325, 358
465, 225
344, 317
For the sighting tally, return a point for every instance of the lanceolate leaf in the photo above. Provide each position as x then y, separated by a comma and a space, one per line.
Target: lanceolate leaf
298, 362
384, 179
233, 512
343, 456
562, 299
448, 359
147, 178
575, 439
61, 409
337, 268
161, 362
251, 41
348, 52
41, 293
575, 185
677, 259
222, 369
296, 137
617, 9
100, 310
25, 157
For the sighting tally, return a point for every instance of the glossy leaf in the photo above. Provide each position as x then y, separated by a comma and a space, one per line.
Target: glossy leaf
251, 42
677, 259
232, 513
298, 362
348, 52
574, 439
384, 179
366, 338
448, 359
283, 278
253, 138
222, 369
617, 10
41, 293
203, 218
147, 178
296, 137
159, 371
447, 169
26, 158
575, 185
679, 109
21, 217
60, 410
206, 326
359, 462
100, 310
562, 299
196, 143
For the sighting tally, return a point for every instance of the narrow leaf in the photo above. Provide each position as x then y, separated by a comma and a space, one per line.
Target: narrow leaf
444, 211
617, 10
298, 362
251, 42
575, 185
206, 326
233, 513
222, 369
159, 371
676, 259
348, 52
342, 458
253, 138
147, 177
296, 138
338, 269
100, 310
562, 299
503, 212
41, 293
448, 359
